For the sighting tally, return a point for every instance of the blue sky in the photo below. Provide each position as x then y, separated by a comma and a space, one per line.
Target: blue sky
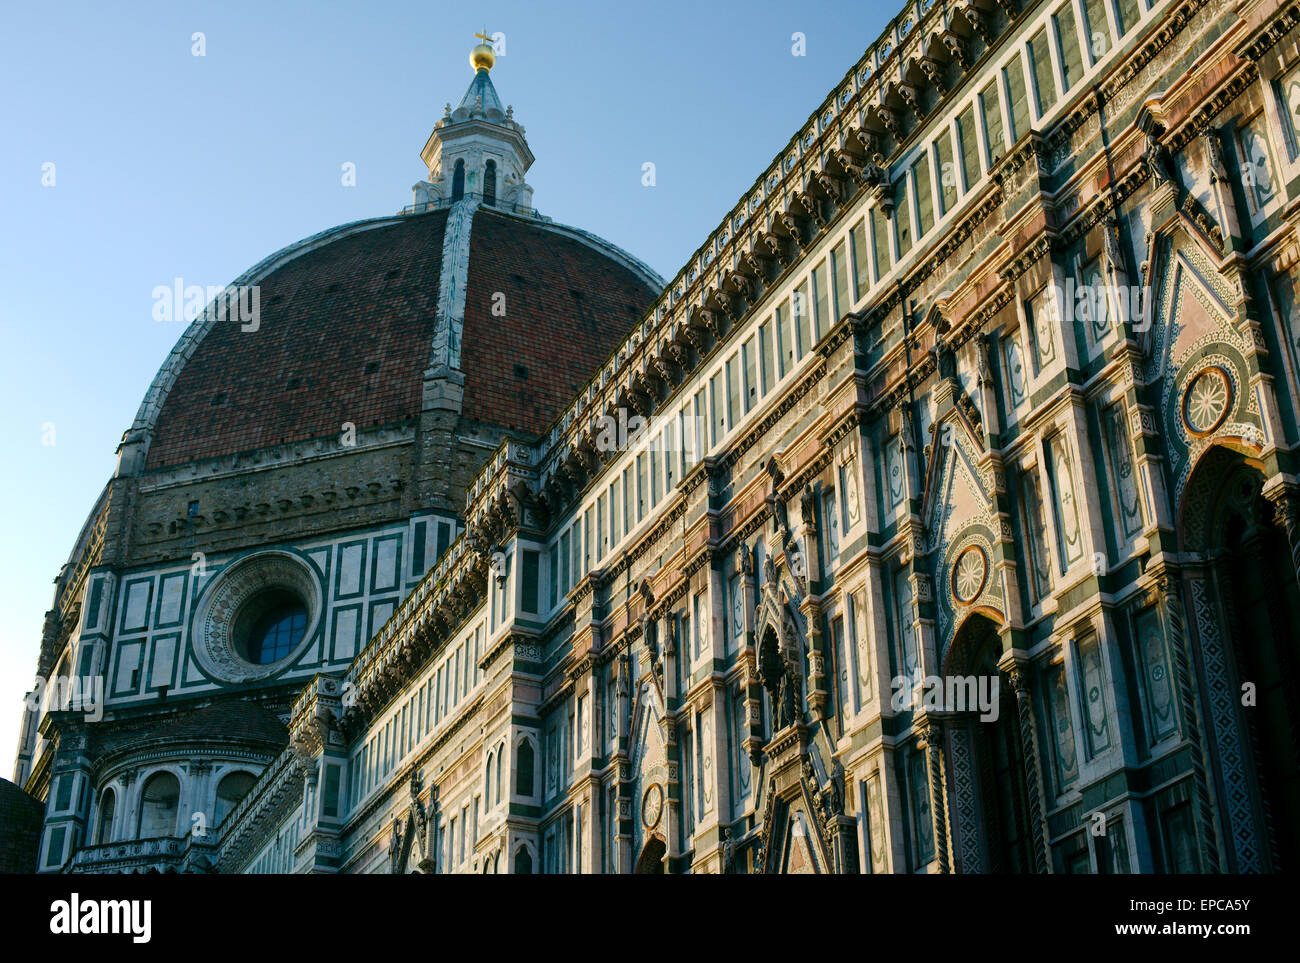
171, 165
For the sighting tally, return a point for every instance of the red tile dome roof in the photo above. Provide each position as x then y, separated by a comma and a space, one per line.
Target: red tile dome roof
346, 330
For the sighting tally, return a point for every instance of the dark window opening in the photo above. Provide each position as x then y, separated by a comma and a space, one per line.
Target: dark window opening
270, 626
524, 769
458, 181
490, 184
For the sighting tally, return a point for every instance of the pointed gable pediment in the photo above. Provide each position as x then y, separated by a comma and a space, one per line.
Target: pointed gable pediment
955, 493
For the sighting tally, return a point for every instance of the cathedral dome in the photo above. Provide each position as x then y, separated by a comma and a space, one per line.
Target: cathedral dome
347, 322
354, 325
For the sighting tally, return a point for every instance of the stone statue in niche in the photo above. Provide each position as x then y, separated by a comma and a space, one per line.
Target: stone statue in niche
774, 504
775, 675
728, 853
946, 362
808, 507
907, 430
1156, 158
395, 848
834, 791
1110, 248
651, 633
622, 683
787, 699
423, 858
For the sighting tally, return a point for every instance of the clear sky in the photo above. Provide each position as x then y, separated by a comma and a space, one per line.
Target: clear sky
167, 165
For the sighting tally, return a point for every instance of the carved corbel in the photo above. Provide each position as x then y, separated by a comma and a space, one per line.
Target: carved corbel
776, 245
855, 169
810, 204
888, 118
979, 23
883, 192
831, 185
957, 48
934, 73
909, 95
871, 144
721, 303
755, 263
791, 224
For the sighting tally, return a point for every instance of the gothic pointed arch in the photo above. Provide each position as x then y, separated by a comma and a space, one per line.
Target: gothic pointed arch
780, 656
1242, 609
650, 770
804, 829
961, 527
1203, 349
990, 753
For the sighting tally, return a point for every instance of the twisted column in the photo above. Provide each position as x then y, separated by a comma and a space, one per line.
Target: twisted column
1286, 511
1169, 589
931, 738
1033, 768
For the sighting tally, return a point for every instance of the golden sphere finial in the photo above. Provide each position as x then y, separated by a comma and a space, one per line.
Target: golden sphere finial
483, 57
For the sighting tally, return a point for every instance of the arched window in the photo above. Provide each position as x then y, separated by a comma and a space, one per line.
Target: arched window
524, 769
232, 788
490, 183
487, 784
107, 809
500, 752
458, 181
158, 803
523, 861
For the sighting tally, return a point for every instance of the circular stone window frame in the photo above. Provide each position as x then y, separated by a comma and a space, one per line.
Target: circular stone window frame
655, 804
956, 568
220, 605
1229, 395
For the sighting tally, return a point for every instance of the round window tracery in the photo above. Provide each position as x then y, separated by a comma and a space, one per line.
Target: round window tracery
1207, 401
969, 574
256, 617
652, 805
270, 626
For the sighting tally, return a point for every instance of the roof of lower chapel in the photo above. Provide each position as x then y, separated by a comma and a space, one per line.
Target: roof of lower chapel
346, 329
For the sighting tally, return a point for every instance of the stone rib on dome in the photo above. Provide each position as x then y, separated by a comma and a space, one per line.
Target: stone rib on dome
346, 329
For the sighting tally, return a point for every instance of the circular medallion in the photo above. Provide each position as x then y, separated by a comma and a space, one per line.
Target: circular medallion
969, 573
652, 805
1207, 401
